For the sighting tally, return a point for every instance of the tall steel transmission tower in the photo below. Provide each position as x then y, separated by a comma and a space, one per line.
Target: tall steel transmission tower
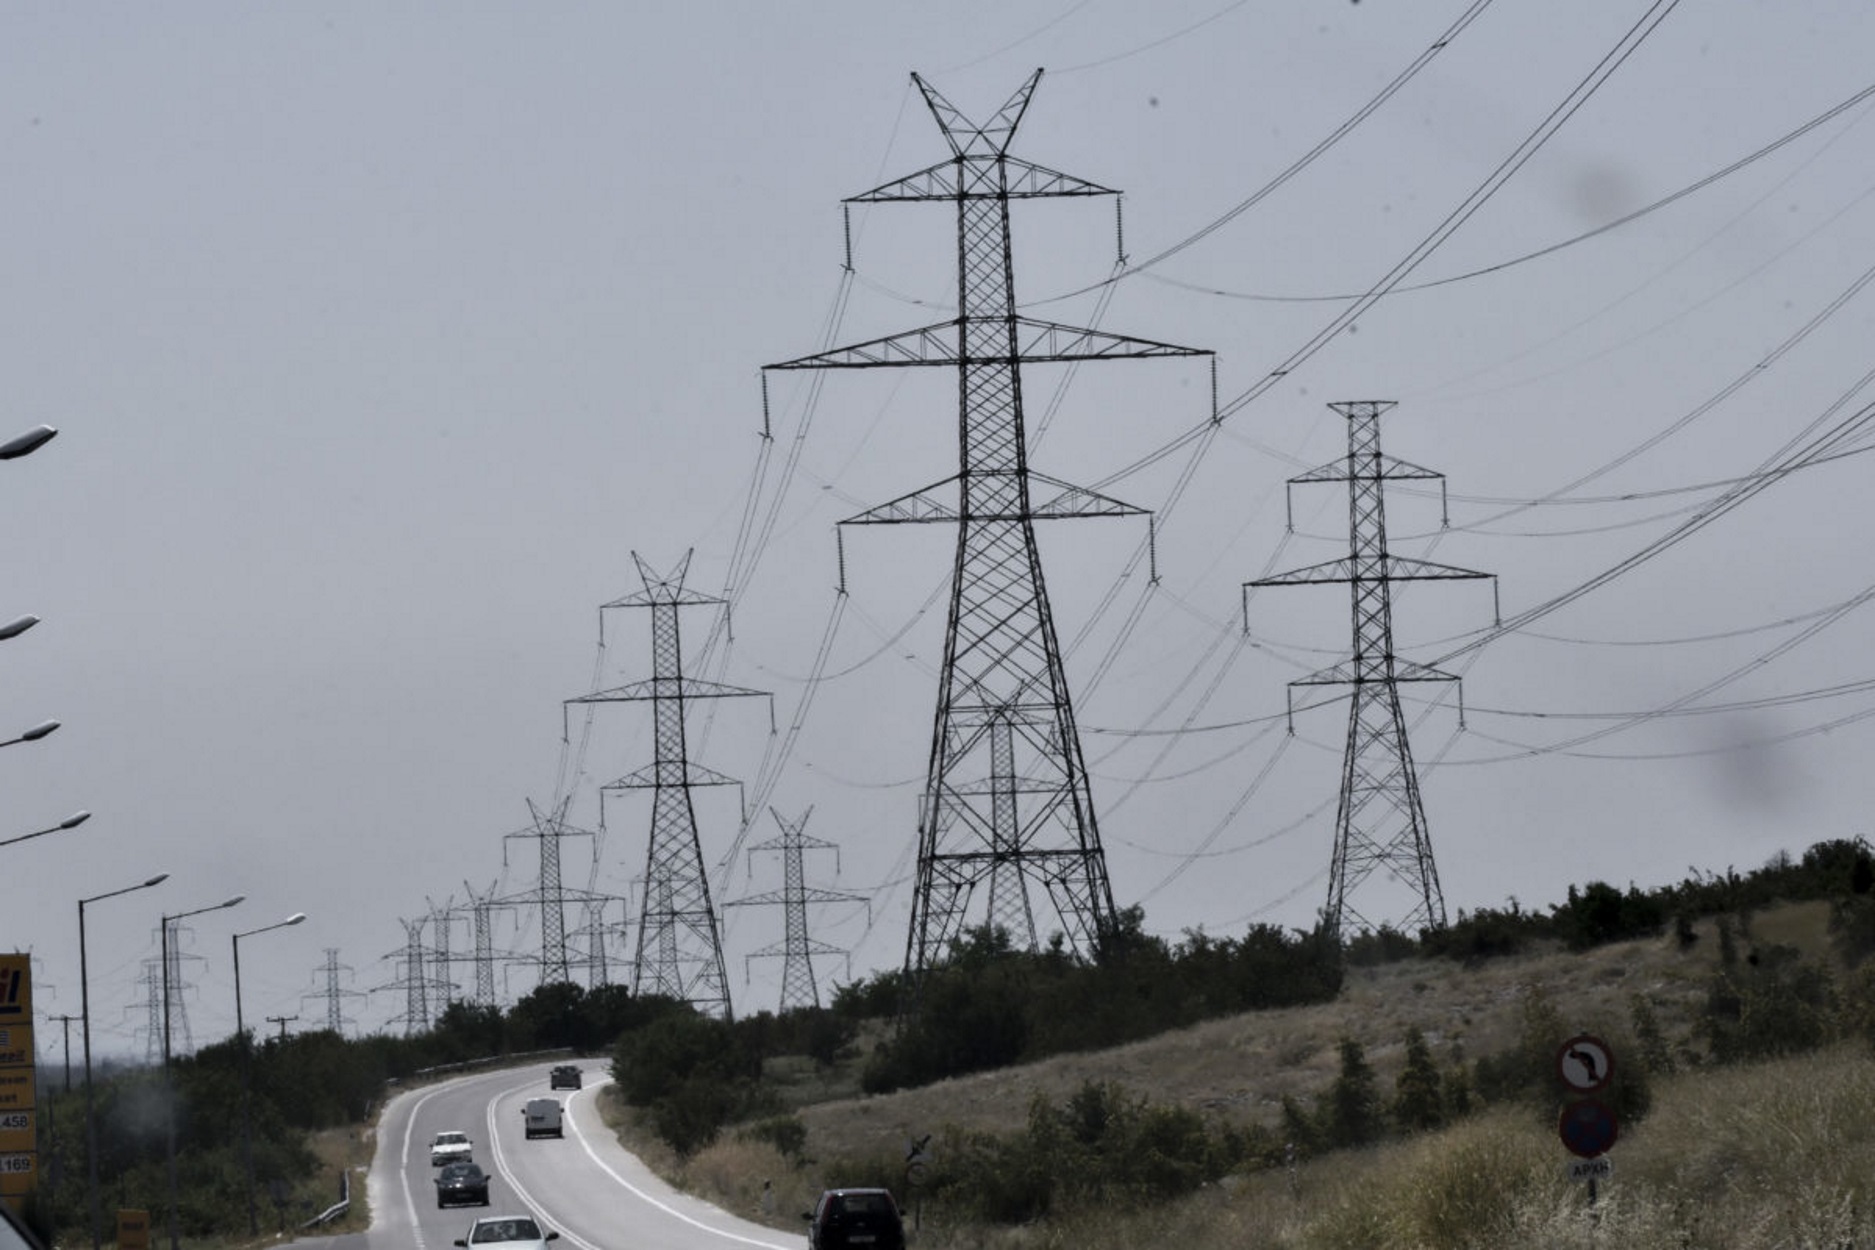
1007, 811
1381, 824
680, 948
482, 909
153, 1000
416, 983
797, 949
334, 994
548, 828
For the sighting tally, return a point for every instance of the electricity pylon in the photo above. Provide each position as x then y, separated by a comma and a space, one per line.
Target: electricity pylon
482, 908
549, 827
1381, 822
416, 983
1007, 809
680, 947
797, 949
333, 994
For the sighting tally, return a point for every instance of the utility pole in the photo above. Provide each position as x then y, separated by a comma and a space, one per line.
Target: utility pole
797, 949
680, 947
282, 1021
1007, 816
1381, 822
67, 1022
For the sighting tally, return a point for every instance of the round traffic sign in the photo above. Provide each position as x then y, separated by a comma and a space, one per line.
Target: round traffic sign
1585, 1063
1587, 1128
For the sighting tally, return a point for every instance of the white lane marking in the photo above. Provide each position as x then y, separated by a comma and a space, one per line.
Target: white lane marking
501, 1164
666, 1207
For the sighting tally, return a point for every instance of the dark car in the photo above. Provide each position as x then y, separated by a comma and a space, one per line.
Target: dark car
846, 1218
566, 1076
461, 1183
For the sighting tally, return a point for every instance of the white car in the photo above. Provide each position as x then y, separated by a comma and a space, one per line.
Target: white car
512, 1232
450, 1146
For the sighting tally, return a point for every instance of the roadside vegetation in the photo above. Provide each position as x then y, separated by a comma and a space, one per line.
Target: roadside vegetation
1267, 1088
314, 1096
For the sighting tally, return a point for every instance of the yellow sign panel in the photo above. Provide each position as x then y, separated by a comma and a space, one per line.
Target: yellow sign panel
16, 1045
17, 1173
16, 1131
133, 1230
16, 1089
16, 988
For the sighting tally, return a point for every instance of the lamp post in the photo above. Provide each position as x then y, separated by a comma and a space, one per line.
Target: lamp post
43, 729
84, 1011
26, 444
247, 1071
70, 822
169, 1083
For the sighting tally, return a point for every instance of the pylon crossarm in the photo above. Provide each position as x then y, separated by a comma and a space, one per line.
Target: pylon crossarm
927, 345
666, 688
1341, 570
1407, 670
1077, 501
1384, 466
919, 506
648, 778
1045, 341
980, 178
1401, 569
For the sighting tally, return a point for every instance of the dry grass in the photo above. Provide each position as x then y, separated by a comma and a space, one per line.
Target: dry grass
348, 1150
1779, 1156
1240, 1069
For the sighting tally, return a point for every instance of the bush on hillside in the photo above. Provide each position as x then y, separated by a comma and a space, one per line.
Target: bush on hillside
1103, 1147
1771, 1003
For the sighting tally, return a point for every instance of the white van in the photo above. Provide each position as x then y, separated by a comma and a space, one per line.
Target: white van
543, 1117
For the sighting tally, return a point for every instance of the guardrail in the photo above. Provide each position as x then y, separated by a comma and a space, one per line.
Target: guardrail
470, 1065
338, 1209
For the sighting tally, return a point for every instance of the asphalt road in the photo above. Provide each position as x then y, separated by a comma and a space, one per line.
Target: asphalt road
585, 1185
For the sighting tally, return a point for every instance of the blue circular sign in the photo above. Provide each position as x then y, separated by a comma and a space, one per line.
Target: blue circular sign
1588, 1128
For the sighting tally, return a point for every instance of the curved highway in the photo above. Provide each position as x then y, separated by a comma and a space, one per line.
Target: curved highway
597, 1195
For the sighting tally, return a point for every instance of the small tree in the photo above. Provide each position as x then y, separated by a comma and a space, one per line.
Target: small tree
1418, 1103
1352, 1115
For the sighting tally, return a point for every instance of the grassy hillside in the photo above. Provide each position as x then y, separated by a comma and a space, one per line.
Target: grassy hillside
1738, 1156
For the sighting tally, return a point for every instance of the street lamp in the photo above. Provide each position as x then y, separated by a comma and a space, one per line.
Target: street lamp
247, 1071
84, 1010
26, 444
76, 819
41, 730
169, 1083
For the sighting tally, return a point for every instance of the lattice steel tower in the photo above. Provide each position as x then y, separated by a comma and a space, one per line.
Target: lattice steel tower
796, 949
334, 994
680, 949
548, 828
1007, 808
1381, 823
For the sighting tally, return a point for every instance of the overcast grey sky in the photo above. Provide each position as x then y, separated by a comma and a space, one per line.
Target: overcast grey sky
379, 336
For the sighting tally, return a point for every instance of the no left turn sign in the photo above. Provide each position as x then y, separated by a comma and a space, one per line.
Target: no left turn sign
1585, 1063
